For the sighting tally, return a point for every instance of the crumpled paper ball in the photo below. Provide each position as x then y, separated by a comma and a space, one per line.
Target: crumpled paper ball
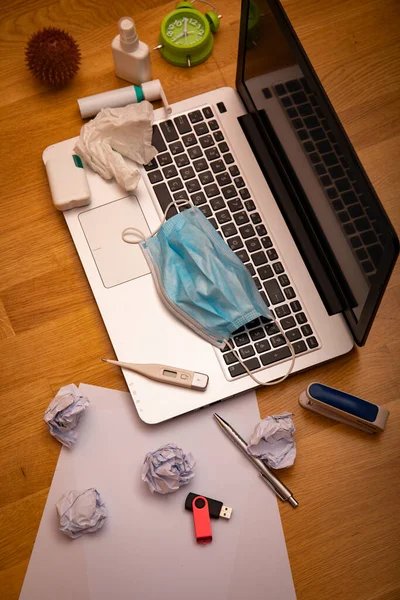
81, 512
273, 441
167, 469
63, 414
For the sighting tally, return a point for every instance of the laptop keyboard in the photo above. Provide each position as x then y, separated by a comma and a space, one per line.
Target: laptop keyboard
194, 161
335, 175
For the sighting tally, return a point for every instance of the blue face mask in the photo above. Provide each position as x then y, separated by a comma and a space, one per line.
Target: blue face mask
200, 279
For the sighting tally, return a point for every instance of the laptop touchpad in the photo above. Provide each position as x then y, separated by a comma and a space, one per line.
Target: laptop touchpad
116, 260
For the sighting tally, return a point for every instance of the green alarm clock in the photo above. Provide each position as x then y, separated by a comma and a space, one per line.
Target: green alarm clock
186, 36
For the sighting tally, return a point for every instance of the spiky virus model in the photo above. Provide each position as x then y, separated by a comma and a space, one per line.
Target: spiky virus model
53, 56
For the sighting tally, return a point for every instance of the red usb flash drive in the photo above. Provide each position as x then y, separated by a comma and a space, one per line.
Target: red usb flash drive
201, 518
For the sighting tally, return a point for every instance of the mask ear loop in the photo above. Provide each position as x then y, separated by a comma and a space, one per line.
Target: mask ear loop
143, 238
290, 369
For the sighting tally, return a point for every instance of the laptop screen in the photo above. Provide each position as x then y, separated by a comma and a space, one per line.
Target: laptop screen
279, 86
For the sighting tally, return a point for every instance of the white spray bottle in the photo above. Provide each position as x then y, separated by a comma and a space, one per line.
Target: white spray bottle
131, 56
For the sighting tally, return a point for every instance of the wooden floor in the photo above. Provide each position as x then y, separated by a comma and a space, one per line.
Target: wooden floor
344, 540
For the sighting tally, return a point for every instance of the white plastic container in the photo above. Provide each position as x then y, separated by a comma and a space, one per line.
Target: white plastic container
131, 56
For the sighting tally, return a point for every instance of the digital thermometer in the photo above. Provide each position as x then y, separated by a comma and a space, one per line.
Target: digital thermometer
165, 374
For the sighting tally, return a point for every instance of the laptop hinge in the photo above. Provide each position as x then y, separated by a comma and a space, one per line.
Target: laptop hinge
294, 206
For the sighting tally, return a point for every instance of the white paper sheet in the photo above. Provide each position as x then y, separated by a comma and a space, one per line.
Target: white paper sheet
147, 549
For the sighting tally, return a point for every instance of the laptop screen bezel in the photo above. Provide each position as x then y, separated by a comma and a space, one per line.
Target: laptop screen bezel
361, 327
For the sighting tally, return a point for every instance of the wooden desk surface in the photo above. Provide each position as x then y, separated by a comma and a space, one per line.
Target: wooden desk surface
344, 540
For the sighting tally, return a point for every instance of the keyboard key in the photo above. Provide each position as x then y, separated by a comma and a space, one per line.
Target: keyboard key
223, 147
228, 158
207, 112
257, 334
249, 204
212, 153
164, 198
192, 186
189, 140
213, 125
286, 101
288, 322
295, 306
289, 293
195, 152
252, 364
259, 258
234, 171
229, 191
272, 328
274, 291
151, 165
164, 159
266, 242
175, 184
155, 176
336, 172
261, 230
171, 171
235, 205
277, 340
244, 194
278, 268
201, 128
224, 178
247, 352
299, 347
198, 199
272, 254
301, 318
299, 98
253, 245
176, 148
239, 182
223, 216
312, 342
218, 166
293, 335
217, 203
229, 229
297, 123
306, 330
200, 165
241, 217
265, 272
230, 358
317, 134
282, 311
283, 279
157, 139
255, 217
280, 89
251, 270
182, 195
169, 131
330, 159
271, 357
206, 210
182, 160
262, 346
305, 110
211, 190
206, 177
235, 243
311, 122
182, 124
243, 256
241, 340
195, 116
218, 136
206, 141
293, 85
236, 370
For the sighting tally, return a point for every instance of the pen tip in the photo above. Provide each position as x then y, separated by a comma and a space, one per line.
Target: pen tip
104, 360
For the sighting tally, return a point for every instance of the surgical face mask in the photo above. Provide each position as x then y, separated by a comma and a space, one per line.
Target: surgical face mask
200, 279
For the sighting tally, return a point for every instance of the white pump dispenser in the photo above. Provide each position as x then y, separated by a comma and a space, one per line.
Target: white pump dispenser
131, 56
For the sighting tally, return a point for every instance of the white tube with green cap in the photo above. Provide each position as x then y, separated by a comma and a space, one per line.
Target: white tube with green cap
150, 90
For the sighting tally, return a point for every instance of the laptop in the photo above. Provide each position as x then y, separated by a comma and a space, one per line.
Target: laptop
271, 167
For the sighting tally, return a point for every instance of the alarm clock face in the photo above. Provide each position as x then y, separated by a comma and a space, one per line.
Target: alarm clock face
186, 29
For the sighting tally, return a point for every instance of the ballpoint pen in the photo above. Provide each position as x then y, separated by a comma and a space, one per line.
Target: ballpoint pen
278, 487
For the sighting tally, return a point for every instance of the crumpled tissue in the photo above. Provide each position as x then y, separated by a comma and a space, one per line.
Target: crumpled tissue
63, 414
273, 441
81, 512
167, 469
114, 133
